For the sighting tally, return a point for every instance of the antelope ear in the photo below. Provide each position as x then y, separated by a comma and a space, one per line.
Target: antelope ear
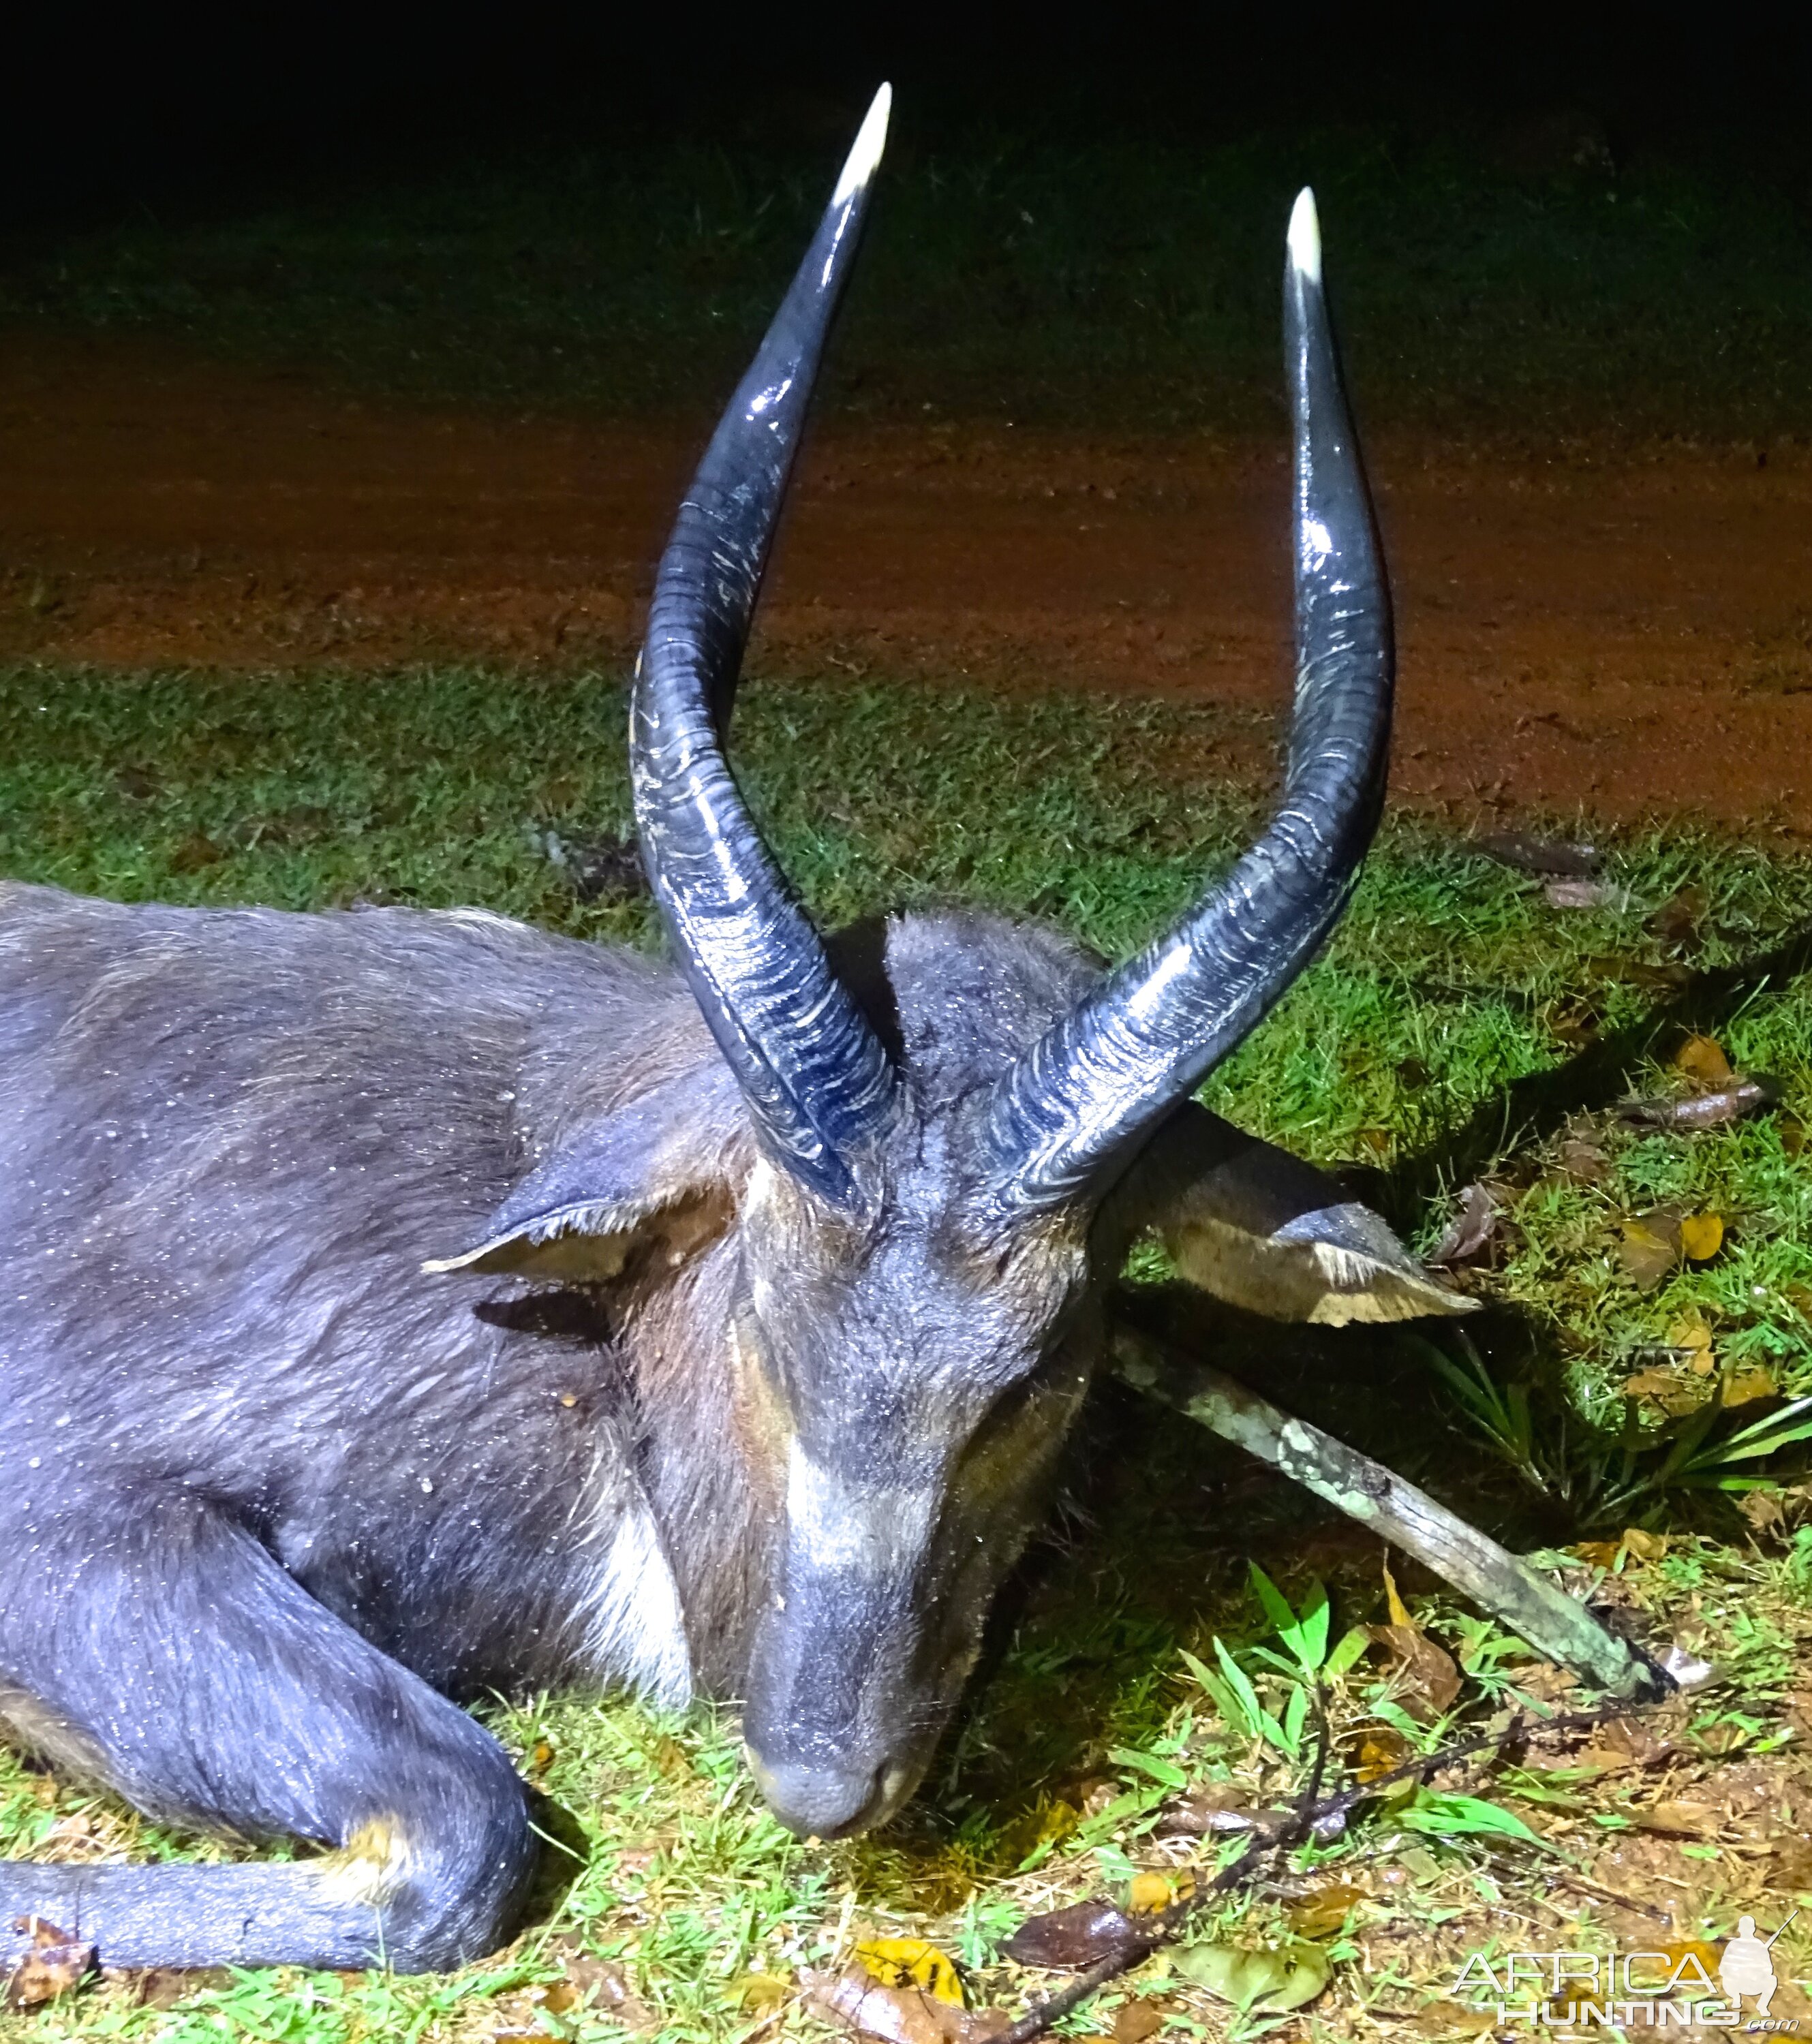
1264, 1231
654, 1178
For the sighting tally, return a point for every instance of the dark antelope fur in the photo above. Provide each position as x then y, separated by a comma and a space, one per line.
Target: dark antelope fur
400, 1307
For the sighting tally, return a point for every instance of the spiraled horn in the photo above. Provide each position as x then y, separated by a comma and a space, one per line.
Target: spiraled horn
817, 1082
1075, 1110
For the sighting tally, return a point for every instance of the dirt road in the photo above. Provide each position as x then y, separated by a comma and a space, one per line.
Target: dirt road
1633, 635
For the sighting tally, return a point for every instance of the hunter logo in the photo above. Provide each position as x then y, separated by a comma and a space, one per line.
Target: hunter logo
1677, 1988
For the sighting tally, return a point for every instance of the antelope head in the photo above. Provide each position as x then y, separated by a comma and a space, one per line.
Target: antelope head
958, 1129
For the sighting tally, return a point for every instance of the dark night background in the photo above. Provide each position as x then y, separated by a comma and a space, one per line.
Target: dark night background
174, 106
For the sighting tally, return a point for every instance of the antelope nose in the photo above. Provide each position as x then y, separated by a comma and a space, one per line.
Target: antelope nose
822, 1802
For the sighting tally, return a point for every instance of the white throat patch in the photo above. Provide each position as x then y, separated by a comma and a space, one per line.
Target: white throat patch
632, 1629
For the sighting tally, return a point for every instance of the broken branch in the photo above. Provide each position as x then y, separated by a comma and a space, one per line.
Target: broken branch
1558, 1628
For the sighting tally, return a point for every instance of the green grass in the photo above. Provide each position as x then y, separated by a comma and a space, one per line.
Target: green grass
1426, 1047
1062, 281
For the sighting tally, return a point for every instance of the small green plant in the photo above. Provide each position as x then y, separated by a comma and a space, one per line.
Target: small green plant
1615, 1477
1498, 1413
1304, 1634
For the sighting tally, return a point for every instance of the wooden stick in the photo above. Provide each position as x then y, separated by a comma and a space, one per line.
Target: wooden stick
1557, 1626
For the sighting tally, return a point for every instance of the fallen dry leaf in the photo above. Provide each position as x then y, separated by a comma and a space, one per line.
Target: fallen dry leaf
1677, 921
1584, 894
1219, 1807
1070, 1939
56, 1964
1448, 2019
1272, 1982
1701, 1059
896, 2014
1556, 856
1702, 1236
1394, 1603
1424, 1677
1649, 1249
1475, 1233
164, 1986
1745, 1387
1674, 1820
597, 1983
912, 1962
1135, 2021
1323, 1910
1379, 1751
1585, 1162
1674, 1393
1692, 1335
1703, 1110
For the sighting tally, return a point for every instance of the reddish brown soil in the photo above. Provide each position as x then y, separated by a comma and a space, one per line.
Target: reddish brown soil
1631, 634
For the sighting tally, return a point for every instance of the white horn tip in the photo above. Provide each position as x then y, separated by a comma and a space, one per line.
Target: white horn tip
871, 140
1306, 237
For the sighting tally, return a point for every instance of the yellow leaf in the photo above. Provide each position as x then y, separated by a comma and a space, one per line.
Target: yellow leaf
1047, 1824
1323, 1909
1689, 1330
762, 1993
1702, 1236
912, 1962
1743, 1387
1691, 1333
1380, 1752
1400, 1611
1148, 1893
1703, 1060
